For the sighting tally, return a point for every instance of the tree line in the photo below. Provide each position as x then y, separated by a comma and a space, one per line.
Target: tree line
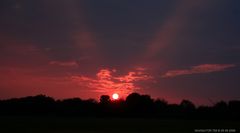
135, 105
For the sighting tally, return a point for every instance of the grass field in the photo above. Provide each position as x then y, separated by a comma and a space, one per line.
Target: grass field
108, 125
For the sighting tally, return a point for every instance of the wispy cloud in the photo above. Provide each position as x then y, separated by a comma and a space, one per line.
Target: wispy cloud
204, 68
106, 82
64, 63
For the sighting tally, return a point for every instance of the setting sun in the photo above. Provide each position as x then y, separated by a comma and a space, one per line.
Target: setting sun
115, 96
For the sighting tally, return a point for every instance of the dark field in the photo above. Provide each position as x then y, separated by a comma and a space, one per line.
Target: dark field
108, 125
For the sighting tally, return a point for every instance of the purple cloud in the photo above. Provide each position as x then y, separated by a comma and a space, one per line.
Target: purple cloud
203, 68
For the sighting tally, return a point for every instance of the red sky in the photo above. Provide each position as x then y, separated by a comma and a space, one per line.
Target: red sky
168, 49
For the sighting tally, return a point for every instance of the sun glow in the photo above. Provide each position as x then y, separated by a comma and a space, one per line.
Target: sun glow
115, 96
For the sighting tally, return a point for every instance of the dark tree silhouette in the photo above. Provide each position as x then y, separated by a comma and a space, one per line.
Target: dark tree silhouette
221, 106
139, 104
186, 104
160, 107
105, 99
135, 105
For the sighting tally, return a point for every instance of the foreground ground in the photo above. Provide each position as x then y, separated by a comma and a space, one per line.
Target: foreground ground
111, 125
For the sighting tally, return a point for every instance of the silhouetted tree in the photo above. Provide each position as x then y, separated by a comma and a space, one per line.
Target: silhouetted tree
105, 99
133, 99
135, 105
187, 108
160, 107
71, 106
187, 105
234, 109
221, 108
234, 106
161, 103
105, 105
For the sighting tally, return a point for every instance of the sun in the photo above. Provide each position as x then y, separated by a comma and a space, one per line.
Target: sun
115, 96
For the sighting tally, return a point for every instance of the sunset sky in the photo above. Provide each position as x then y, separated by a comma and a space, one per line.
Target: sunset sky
188, 49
